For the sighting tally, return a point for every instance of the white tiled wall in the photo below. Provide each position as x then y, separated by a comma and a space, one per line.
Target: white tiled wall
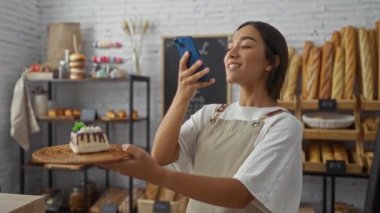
298, 20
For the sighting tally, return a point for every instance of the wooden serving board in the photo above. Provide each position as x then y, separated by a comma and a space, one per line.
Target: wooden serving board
62, 154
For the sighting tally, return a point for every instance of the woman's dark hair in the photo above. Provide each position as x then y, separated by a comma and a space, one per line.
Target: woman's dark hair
275, 45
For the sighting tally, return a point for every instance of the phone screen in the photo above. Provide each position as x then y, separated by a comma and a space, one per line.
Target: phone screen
186, 43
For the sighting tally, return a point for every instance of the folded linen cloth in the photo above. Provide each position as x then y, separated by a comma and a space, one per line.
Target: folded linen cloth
23, 119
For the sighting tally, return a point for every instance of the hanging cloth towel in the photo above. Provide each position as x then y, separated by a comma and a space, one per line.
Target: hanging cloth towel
23, 120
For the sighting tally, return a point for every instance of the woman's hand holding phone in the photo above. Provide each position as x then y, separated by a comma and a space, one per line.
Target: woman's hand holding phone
188, 78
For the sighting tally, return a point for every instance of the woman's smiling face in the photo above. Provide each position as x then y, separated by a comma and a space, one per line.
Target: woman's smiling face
245, 61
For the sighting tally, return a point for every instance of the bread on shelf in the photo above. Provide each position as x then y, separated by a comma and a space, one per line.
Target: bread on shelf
350, 49
305, 57
312, 73
314, 153
292, 75
326, 71
327, 153
366, 65
337, 91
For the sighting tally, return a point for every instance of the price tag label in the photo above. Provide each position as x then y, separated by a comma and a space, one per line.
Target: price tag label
109, 208
87, 114
336, 166
161, 207
327, 105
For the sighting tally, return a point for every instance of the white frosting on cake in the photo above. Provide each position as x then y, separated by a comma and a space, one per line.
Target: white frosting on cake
89, 139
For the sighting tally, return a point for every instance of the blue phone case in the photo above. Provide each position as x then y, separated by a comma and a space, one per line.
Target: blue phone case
186, 43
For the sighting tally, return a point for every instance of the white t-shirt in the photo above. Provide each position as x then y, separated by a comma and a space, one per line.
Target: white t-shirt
273, 171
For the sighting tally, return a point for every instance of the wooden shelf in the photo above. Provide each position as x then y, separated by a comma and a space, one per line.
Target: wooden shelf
341, 104
367, 134
354, 167
74, 167
369, 105
290, 105
69, 119
331, 134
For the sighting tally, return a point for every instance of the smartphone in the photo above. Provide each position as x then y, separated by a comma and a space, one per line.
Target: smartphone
186, 43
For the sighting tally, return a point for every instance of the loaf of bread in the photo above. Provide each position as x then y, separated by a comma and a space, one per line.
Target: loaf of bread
166, 195
336, 39
314, 153
350, 49
327, 153
338, 74
312, 73
371, 123
305, 56
326, 71
373, 47
151, 192
366, 65
294, 68
291, 52
340, 153
378, 59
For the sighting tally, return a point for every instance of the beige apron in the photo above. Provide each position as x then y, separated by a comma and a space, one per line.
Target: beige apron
221, 149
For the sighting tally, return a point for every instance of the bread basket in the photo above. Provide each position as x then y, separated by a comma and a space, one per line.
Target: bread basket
326, 120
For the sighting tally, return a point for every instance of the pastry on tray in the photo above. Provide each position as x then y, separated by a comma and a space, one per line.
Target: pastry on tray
87, 139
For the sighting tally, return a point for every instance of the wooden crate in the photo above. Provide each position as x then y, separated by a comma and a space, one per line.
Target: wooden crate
332, 134
341, 104
354, 166
369, 105
146, 206
367, 134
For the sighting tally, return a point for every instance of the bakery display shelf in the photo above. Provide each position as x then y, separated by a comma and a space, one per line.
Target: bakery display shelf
332, 134
74, 167
355, 165
369, 105
67, 80
341, 104
367, 134
70, 119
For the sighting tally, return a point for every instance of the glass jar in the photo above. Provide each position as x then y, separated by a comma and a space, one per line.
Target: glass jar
76, 201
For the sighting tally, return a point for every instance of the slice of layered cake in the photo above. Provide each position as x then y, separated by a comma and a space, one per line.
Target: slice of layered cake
86, 139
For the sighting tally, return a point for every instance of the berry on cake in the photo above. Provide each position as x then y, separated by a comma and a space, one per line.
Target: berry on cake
87, 139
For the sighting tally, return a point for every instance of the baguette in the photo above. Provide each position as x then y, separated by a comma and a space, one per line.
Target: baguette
291, 52
305, 56
327, 153
293, 71
378, 59
338, 75
314, 153
366, 65
350, 49
326, 71
373, 47
312, 73
336, 39
340, 153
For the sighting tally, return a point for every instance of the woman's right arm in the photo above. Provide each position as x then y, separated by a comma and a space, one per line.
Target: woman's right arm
165, 147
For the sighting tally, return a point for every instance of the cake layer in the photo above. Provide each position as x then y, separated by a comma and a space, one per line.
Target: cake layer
91, 147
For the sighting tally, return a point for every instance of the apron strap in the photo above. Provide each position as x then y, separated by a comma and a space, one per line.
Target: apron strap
219, 110
265, 116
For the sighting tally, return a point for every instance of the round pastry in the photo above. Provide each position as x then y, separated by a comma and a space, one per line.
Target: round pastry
52, 113
76, 113
76, 64
111, 114
77, 57
135, 114
121, 114
76, 73
68, 113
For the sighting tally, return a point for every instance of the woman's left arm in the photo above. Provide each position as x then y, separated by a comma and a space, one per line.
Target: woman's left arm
225, 192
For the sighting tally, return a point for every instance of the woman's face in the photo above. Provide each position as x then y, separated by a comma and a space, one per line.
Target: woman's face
245, 60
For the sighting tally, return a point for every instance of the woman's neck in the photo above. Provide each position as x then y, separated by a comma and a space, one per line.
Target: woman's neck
255, 97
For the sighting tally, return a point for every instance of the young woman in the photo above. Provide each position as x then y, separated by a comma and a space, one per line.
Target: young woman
245, 157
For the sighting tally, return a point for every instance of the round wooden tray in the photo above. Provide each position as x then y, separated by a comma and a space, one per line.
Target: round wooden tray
62, 154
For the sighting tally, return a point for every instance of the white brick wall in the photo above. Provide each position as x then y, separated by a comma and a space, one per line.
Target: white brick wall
298, 20
20, 45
